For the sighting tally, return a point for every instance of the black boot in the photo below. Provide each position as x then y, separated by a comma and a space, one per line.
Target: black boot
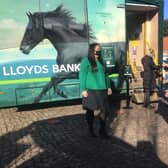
102, 130
90, 120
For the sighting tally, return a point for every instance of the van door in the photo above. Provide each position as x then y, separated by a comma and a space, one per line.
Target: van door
107, 22
142, 24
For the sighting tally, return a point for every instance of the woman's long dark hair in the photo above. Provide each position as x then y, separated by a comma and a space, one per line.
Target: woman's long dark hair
91, 57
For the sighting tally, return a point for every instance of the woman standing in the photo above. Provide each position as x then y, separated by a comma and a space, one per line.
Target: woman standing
95, 88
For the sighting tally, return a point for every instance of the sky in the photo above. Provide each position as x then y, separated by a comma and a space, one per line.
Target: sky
165, 9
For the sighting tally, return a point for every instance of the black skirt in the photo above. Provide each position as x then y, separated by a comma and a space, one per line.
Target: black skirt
96, 100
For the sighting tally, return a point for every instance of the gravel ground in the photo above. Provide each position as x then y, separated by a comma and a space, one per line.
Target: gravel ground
56, 137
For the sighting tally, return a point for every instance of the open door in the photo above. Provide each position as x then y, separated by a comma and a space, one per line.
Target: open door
142, 25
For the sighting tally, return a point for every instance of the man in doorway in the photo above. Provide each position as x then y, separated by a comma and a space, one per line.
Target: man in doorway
149, 77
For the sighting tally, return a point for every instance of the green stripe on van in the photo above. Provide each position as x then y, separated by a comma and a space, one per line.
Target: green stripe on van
17, 81
114, 75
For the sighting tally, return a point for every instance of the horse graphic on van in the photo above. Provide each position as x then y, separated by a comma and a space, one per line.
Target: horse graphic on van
69, 38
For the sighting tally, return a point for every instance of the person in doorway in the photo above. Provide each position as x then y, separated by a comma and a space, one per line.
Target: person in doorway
149, 77
95, 88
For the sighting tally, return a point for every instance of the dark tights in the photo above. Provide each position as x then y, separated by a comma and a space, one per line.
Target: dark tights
90, 121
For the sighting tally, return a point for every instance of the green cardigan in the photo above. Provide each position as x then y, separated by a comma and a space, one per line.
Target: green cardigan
92, 80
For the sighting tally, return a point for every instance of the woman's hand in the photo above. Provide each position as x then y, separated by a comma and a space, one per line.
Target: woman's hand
85, 93
109, 91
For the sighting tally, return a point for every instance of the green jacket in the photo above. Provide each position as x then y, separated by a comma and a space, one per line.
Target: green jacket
92, 80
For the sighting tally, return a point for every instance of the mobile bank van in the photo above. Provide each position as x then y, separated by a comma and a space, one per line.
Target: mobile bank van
42, 43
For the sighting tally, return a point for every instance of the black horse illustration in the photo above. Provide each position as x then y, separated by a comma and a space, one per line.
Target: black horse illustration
69, 38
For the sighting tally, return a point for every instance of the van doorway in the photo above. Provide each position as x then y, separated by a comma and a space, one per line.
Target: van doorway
142, 23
